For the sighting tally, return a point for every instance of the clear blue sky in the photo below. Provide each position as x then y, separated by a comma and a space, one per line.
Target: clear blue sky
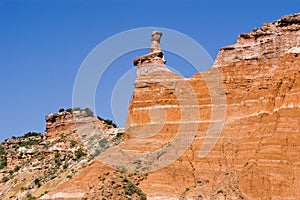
43, 43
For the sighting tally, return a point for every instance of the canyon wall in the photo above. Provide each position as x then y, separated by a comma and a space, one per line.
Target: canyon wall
257, 154
231, 132
171, 122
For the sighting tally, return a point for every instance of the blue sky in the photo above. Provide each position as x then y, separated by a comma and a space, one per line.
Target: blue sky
43, 43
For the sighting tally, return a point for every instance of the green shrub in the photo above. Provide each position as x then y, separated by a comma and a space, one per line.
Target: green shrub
79, 153
108, 122
89, 112
30, 134
3, 158
57, 159
62, 136
37, 182
2, 151
66, 165
72, 143
17, 168
69, 110
29, 143
5, 179
119, 136
69, 176
130, 189
30, 197
114, 125
3, 162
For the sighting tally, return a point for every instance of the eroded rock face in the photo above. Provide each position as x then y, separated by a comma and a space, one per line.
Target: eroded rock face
271, 41
257, 154
36, 163
67, 122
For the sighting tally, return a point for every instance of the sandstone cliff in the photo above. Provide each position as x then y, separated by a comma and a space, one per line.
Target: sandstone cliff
257, 154
37, 163
167, 153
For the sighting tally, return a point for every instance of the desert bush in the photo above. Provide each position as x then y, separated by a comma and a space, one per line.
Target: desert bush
57, 159
30, 134
29, 143
79, 153
69, 110
30, 197
69, 176
5, 179
108, 122
130, 189
72, 143
89, 112
3, 158
66, 165
2, 151
37, 182
119, 136
17, 168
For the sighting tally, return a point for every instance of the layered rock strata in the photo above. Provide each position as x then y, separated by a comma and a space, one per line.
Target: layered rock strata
170, 118
36, 163
256, 156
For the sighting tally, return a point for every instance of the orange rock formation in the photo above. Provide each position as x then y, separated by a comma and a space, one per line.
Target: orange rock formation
170, 118
257, 155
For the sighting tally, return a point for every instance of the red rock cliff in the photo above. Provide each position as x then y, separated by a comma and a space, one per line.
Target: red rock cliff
257, 154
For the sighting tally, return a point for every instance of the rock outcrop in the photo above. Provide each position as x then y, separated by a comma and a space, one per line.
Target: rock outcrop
271, 41
68, 121
35, 164
257, 153
232, 132
256, 156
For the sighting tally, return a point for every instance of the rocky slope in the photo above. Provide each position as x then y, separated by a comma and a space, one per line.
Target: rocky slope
231, 132
37, 163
